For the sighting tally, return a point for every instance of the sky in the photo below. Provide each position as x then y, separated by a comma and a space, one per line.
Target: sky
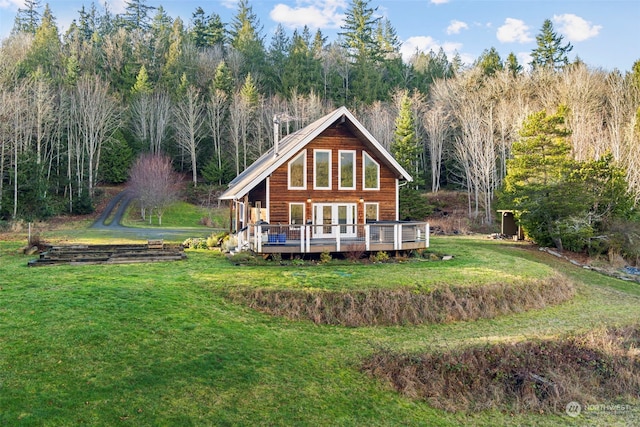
604, 33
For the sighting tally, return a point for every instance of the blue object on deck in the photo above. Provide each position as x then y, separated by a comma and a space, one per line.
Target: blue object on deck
277, 238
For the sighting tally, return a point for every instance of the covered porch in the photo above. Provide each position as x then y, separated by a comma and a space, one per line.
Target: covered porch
265, 238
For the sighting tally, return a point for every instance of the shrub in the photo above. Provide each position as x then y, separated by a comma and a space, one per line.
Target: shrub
354, 251
216, 239
534, 375
229, 243
195, 243
325, 257
446, 303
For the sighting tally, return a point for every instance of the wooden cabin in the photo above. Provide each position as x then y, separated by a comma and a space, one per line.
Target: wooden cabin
327, 187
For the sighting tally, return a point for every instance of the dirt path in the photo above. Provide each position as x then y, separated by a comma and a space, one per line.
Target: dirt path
120, 203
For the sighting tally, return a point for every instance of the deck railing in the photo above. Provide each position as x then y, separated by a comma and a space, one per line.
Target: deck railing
269, 238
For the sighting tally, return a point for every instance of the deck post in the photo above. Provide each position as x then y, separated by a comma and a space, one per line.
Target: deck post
397, 232
307, 230
303, 244
367, 237
258, 243
338, 239
426, 235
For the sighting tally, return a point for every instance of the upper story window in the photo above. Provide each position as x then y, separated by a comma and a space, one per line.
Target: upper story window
322, 169
371, 173
347, 170
298, 172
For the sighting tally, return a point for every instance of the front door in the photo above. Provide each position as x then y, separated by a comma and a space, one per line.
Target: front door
327, 217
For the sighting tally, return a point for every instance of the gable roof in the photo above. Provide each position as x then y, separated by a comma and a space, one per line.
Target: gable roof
296, 141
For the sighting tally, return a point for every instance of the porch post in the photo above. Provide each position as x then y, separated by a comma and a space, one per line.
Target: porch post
426, 236
258, 244
303, 232
308, 239
367, 237
397, 241
337, 239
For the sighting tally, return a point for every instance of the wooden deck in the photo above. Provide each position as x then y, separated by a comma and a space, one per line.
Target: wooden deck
292, 239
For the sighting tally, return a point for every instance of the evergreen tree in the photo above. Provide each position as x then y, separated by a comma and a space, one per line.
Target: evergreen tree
550, 53
359, 39
429, 67
489, 62
512, 65
45, 53
136, 15
405, 147
536, 185
302, 71
206, 31
87, 23
276, 58
161, 27
223, 80
28, 19
359, 32
406, 150
142, 85
174, 66
387, 40
246, 39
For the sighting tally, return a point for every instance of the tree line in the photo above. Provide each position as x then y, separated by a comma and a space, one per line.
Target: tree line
78, 108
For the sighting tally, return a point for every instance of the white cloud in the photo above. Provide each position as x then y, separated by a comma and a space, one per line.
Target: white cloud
575, 28
425, 44
439, 1
6, 4
230, 4
514, 30
115, 6
314, 14
524, 59
456, 26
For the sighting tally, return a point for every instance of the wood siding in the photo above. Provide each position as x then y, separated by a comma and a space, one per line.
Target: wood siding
335, 138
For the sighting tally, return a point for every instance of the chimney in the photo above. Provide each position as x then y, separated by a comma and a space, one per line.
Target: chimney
276, 134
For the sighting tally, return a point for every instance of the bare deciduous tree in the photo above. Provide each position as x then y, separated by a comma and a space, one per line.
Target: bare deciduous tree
217, 111
150, 114
189, 116
436, 124
96, 115
154, 183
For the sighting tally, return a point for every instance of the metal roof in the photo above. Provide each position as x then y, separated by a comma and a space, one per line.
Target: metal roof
291, 144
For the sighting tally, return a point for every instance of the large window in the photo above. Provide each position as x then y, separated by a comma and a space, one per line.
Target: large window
298, 172
296, 213
322, 169
347, 170
371, 173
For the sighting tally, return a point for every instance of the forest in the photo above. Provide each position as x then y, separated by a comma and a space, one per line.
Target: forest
78, 108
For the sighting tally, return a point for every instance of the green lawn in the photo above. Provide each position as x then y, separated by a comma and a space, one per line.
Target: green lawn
158, 344
178, 215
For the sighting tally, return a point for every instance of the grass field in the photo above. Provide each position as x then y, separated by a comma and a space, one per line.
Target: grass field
159, 344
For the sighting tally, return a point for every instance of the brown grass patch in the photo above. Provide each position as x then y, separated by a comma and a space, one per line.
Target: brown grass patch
406, 306
540, 375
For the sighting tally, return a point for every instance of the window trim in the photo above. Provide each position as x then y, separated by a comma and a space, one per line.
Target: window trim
315, 170
302, 154
353, 169
366, 155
